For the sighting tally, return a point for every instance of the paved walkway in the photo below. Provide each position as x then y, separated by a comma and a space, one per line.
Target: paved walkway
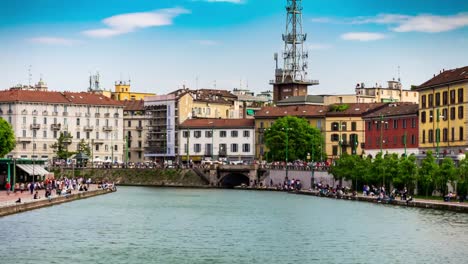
26, 196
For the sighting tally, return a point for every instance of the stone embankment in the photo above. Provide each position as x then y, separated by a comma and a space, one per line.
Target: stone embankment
418, 203
14, 208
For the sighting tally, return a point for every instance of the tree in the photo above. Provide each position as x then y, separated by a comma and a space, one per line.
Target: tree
295, 137
427, 173
83, 147
61, 146
447, 173
7, 138
407, 173
462, 185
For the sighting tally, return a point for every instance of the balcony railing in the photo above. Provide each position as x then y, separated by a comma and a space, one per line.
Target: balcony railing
24, 139
88, 128
107, 128
55, 126
65, 113
139, 128
97, 115
35, 126
55, 113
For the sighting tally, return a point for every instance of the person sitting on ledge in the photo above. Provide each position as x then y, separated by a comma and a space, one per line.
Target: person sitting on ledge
18, 201
410, 199
36, 195
448, 197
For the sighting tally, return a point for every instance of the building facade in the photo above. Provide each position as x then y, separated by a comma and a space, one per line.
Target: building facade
378, 94
122, 91
265, 118
214, 139
136, 123
392, 129
38, 118
345, 128
443, 112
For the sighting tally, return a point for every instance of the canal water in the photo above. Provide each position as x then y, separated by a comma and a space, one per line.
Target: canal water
153, 225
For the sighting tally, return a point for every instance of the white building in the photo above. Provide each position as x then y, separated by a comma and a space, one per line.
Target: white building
233, 139
38, 117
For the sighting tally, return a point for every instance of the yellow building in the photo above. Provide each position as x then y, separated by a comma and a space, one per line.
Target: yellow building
345, 129
122, 92
443, 112
265, 118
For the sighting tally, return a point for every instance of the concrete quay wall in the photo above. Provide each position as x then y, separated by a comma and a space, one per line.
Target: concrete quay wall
305, 176
27, 206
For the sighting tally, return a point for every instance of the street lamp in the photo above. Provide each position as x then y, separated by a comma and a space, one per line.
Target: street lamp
382, 122
340, 125
438, 133
287, 129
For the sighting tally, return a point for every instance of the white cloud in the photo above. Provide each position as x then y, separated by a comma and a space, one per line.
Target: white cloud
205, 42
126, 23
363, 36
318, 46
53, 41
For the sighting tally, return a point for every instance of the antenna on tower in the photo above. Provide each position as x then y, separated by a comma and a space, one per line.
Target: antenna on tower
275, 56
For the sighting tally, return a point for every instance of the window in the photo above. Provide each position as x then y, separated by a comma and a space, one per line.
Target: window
423, 117
460, 136
431, 136
24, 133
77, 121
431, 116
246, 133
97, 122
444, 114
369, 126
24, 120
129, 123
208, 134
116, 148
140, 144
452, 113
234, 133
445, 98
403, 123
197, 148
344, 126
185, 134
460, 112
460, 95
45, 120
424, 136
44, 134
423, 101
245, 148
34, 133
97, 147
234, 148
24, 146
222, 133
335, 150
185, 148
34, 146
139, 134
44, 146
335, 126
445, 135
431, 100
453, 134
55, 134
413, 139
452, 96
97, 135
353, 126
197, 134
261, 124
77, 134
222, 149
335, 137
437, 101
87, 135
395, 123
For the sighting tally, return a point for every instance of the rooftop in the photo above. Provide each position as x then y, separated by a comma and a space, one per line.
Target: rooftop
355, 109
134, 105
445, 77
302, 100
300, 111
395, 109
81, 98
208, 95
218, 123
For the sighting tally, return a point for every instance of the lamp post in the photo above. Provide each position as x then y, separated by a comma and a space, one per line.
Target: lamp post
437, 136
287, 129
382, 122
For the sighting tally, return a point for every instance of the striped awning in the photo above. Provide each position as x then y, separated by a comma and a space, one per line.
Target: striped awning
33, 169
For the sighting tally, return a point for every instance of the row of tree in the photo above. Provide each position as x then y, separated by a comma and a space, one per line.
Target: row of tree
400, 172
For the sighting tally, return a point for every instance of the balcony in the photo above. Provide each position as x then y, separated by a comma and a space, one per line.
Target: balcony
35, 126
87, 114
55, 127
139, 128
67, 140
55, 113
88, 128
107, 115
65, 113
78, 114
24, 139
10, 112
107, 128
97, 115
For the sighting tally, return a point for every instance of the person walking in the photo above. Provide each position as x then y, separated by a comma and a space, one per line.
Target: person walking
8, 187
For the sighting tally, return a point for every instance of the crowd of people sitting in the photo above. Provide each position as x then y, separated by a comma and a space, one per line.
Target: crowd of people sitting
299, 165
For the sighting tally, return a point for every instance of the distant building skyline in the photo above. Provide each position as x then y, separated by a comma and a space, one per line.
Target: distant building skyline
163, 45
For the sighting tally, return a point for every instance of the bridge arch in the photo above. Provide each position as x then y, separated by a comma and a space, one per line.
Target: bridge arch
232, 179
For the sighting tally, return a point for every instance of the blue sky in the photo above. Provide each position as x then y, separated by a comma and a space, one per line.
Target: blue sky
163, 44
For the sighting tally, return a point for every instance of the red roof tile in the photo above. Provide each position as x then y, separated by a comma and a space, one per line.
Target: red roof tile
300, 111
445, 77
395, 109
218, 123
134, 105
56, 97
356, 109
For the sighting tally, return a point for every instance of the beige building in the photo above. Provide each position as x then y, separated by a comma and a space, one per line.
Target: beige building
38, 117
378, 94
135, 130
345, 130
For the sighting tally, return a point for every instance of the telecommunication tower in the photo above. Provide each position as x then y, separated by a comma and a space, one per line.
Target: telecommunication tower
292, 79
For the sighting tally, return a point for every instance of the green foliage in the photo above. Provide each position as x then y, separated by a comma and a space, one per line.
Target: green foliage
427, 173
447, 173
83, 147
295, 137
462, 186
338, 107
7, 138
61, 146
407, 173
